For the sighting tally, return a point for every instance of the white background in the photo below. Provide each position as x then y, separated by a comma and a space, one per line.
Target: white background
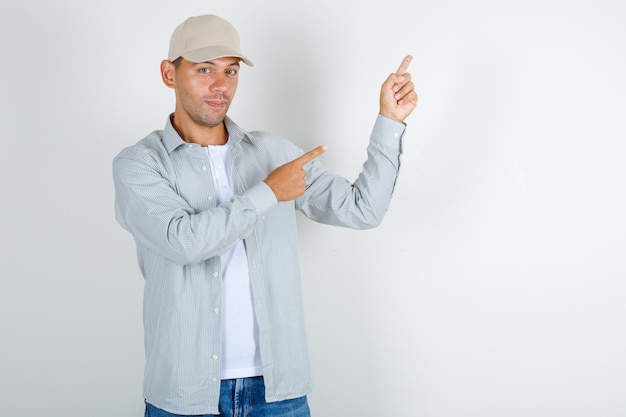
494, 287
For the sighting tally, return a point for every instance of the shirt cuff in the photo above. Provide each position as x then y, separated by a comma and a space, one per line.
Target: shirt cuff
261, 196
388, 132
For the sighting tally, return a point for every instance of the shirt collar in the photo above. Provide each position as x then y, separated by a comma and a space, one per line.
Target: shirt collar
172, 140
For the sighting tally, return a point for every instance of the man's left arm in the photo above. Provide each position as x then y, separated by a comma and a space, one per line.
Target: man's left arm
332, 199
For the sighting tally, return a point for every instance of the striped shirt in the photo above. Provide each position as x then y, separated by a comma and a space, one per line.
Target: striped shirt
164, 196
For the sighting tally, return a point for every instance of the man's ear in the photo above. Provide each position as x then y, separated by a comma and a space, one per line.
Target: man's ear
168, 73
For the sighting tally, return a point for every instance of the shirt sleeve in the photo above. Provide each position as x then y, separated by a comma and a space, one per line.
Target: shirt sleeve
148, 206
362, 204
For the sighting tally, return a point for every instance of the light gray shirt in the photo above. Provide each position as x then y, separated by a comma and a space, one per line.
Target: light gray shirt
164, 196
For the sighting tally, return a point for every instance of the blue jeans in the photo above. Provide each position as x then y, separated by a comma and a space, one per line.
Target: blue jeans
245, 397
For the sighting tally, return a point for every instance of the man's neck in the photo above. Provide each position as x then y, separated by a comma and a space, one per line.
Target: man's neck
192, 132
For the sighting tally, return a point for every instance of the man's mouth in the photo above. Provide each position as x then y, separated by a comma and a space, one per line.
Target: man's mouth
218, 104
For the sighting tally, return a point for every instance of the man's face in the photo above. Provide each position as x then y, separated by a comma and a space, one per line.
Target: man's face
204, 91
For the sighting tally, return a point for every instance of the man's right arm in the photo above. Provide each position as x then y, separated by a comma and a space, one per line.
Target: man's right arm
148, 206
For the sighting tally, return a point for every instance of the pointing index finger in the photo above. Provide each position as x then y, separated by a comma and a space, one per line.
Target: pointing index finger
404, 66
311, 155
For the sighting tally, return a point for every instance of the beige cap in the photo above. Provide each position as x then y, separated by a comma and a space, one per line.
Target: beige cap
203, 38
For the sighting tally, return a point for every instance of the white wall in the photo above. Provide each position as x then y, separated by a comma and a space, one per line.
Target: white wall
494, 287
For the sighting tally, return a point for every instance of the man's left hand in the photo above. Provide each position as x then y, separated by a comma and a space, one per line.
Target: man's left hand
397, 95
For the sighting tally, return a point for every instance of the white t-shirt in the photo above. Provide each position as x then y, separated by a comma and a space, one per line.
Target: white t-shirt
240, 335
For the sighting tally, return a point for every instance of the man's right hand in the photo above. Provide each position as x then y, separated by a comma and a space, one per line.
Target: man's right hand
288, 181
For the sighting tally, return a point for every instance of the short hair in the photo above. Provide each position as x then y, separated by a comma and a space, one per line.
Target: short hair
177, 62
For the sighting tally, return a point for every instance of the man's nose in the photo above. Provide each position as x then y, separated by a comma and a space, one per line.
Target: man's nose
219, 83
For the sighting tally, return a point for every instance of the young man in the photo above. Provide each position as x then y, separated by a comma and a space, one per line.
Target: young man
212, 210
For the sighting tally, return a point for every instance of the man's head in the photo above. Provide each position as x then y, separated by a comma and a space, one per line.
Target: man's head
203, 68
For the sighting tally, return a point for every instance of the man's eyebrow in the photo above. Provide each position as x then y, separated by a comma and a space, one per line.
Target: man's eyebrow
234, 64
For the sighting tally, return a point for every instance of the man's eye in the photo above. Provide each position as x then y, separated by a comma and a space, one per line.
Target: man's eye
231, 72
205, 70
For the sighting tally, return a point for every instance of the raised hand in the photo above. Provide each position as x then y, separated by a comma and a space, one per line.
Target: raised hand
288, 181
397, 95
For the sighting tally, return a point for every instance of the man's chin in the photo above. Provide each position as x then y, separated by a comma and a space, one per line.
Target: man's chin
211, 122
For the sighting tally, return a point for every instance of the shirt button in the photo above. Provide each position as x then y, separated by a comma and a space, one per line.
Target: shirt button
215, 274
217, 310
214, 357
204, 167
395, 134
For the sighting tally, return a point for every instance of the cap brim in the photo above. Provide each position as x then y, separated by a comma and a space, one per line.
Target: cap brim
213, 52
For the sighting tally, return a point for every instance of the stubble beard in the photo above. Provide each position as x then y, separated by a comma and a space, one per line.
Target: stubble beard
197, 112
207, 118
